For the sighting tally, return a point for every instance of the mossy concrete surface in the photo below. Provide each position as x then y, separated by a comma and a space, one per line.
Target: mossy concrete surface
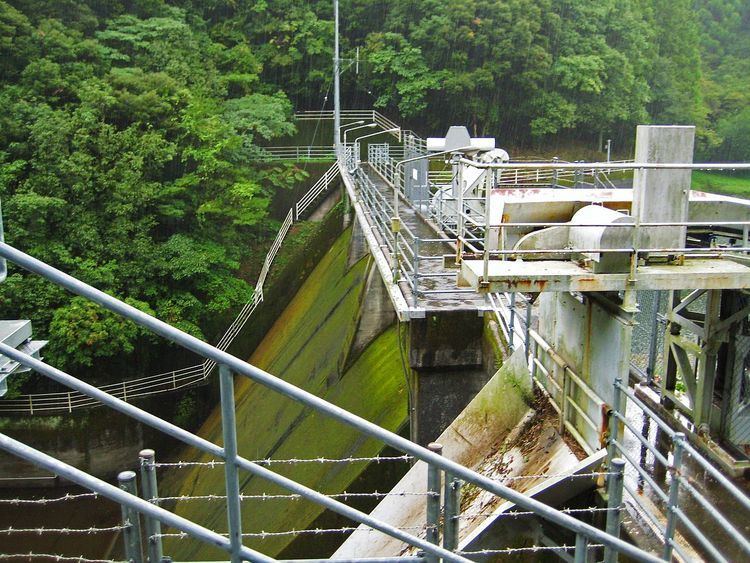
479, 431
309, 347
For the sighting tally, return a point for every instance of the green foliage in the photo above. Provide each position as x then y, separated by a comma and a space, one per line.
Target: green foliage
124, 146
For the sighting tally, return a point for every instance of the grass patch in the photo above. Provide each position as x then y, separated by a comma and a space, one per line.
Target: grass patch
719, 183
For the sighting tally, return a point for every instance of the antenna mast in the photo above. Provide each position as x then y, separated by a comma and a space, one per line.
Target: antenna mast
336, 70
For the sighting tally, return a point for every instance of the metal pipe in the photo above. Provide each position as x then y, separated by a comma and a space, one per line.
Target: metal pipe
433, 501
674, 488
641, 405
653, 341
614, 505
452, 496
642, 472
716, 474
229, 431
608, 165
211, 448
130, 520
116, 494
700, 536
3, 264
146, 459
581, 552
239, 366
336, 81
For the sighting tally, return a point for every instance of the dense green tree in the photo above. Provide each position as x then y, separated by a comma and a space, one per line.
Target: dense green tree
124, 160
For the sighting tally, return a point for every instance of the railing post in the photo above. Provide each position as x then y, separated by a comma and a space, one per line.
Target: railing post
527, 335
452, 509
555, 173
132, 532
229, 430
678, 441
615, 483
433, 501
565, 387
653, 341
415, 266
582, 547
512, 319
614, 423
151, 494
487, 233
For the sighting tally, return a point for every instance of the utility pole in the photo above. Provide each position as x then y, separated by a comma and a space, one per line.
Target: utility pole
336, 93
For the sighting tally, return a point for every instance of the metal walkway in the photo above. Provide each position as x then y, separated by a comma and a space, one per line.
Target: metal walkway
426, 277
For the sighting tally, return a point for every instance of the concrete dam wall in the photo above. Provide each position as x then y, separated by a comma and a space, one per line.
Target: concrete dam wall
331, 340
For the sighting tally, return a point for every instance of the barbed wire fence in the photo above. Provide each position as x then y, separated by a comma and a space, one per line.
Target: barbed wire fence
449, 513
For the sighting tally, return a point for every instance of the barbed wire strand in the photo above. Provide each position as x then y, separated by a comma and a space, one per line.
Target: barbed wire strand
264, 496
220, 463
42, 501
529, 513
55, 557
530, 549
64, 531
312, 531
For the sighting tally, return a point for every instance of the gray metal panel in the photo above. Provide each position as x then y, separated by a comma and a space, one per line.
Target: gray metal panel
662, 195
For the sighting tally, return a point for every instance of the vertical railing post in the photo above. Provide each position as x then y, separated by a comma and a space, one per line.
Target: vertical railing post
678, 441
653, 340
615, 483
512, 320
415, 266
150, 492
229, 430
614, 422
452, 509
565, 391
132, 532
582, 547
487, 233
433, 501
527, 334
555, 173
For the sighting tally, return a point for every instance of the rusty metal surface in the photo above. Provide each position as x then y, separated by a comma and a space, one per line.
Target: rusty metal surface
554, 275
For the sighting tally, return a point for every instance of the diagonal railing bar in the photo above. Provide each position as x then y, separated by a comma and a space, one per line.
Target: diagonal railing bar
304, 397
114, 493
209, 447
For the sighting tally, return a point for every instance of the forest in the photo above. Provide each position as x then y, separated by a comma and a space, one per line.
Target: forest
128, 127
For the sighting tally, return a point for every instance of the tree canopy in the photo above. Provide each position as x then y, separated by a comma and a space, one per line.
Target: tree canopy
128, 125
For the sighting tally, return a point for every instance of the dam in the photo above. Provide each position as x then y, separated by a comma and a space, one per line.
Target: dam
487, 311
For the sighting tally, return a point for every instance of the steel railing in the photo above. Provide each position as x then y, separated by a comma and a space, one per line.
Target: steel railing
166, 382
231, 365
296, 153
669, 482
566, 391
680, 493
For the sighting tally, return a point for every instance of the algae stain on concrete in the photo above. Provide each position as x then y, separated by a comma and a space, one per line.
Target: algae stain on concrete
305, 346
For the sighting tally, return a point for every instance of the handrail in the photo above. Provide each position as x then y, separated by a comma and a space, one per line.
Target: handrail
291, 391
49, 403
